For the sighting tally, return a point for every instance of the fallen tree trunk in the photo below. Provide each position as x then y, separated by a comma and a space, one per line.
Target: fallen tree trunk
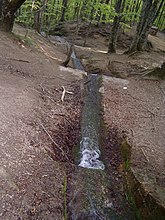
158, 71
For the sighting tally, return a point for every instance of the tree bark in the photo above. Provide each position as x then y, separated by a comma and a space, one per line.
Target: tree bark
38, 16
142, 44
64, 5
7, 13
119, 7
148, 13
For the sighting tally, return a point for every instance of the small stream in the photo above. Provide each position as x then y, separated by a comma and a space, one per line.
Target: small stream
89, 145
93, 190
91, 199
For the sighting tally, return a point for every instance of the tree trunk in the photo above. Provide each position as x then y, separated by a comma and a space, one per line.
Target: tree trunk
147, 18
113, 40
1, 3
64, 5
7, 13
119, 7
137, 7
142, 44
159, 9
38, 16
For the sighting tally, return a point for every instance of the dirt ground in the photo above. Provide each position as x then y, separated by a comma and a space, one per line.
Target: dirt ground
133, 103
31, 181
32, 114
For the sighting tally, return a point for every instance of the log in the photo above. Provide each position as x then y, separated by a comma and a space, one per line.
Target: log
158, 71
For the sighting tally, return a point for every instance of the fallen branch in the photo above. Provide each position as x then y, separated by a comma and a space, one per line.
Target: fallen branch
63, 93
43, 89
144, 154
161, 88
133, 53
63, 153
20, 60
71, 93
159, 71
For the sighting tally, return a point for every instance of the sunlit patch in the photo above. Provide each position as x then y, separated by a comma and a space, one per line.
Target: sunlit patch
73, 71
48, 54
91, 49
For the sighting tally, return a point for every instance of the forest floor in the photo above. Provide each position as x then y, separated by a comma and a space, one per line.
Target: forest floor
38, 130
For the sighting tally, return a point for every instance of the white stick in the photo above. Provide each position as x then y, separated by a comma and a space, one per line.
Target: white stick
63, 93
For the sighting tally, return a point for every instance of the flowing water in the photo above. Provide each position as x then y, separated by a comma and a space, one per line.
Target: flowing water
89, 145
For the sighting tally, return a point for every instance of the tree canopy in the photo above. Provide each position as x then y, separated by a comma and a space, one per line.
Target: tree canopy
45, 15
53, 11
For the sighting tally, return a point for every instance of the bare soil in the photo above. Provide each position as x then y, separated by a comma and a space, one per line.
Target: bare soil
133, 103
31, 113
38, 130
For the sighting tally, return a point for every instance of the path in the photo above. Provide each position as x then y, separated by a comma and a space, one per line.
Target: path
31, 182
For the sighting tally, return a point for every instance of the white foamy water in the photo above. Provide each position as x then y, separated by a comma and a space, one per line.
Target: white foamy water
90, 155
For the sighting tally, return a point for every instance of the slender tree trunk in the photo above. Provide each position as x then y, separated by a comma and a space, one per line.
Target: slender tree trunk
133, 11
7, 13
64, 5
159, 9
38, 17
76, 10
119, 7
148, 13
138, 4
142, 44
160, 18
1, 3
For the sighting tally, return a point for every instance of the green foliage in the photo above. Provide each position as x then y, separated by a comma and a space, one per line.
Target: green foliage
65, 199
25, 40
132, 203
95, 11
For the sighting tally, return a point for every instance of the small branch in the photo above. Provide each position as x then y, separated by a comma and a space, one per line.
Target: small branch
52, 139
20, 60
71, 93
159, 71
162, 90
87, 82
144, 154
133, 53
147, 73
63, 93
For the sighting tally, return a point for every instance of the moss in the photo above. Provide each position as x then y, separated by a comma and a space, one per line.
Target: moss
76, 153
127, 164
65, 199
132, 203
25, 39
144, 204
125, 149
